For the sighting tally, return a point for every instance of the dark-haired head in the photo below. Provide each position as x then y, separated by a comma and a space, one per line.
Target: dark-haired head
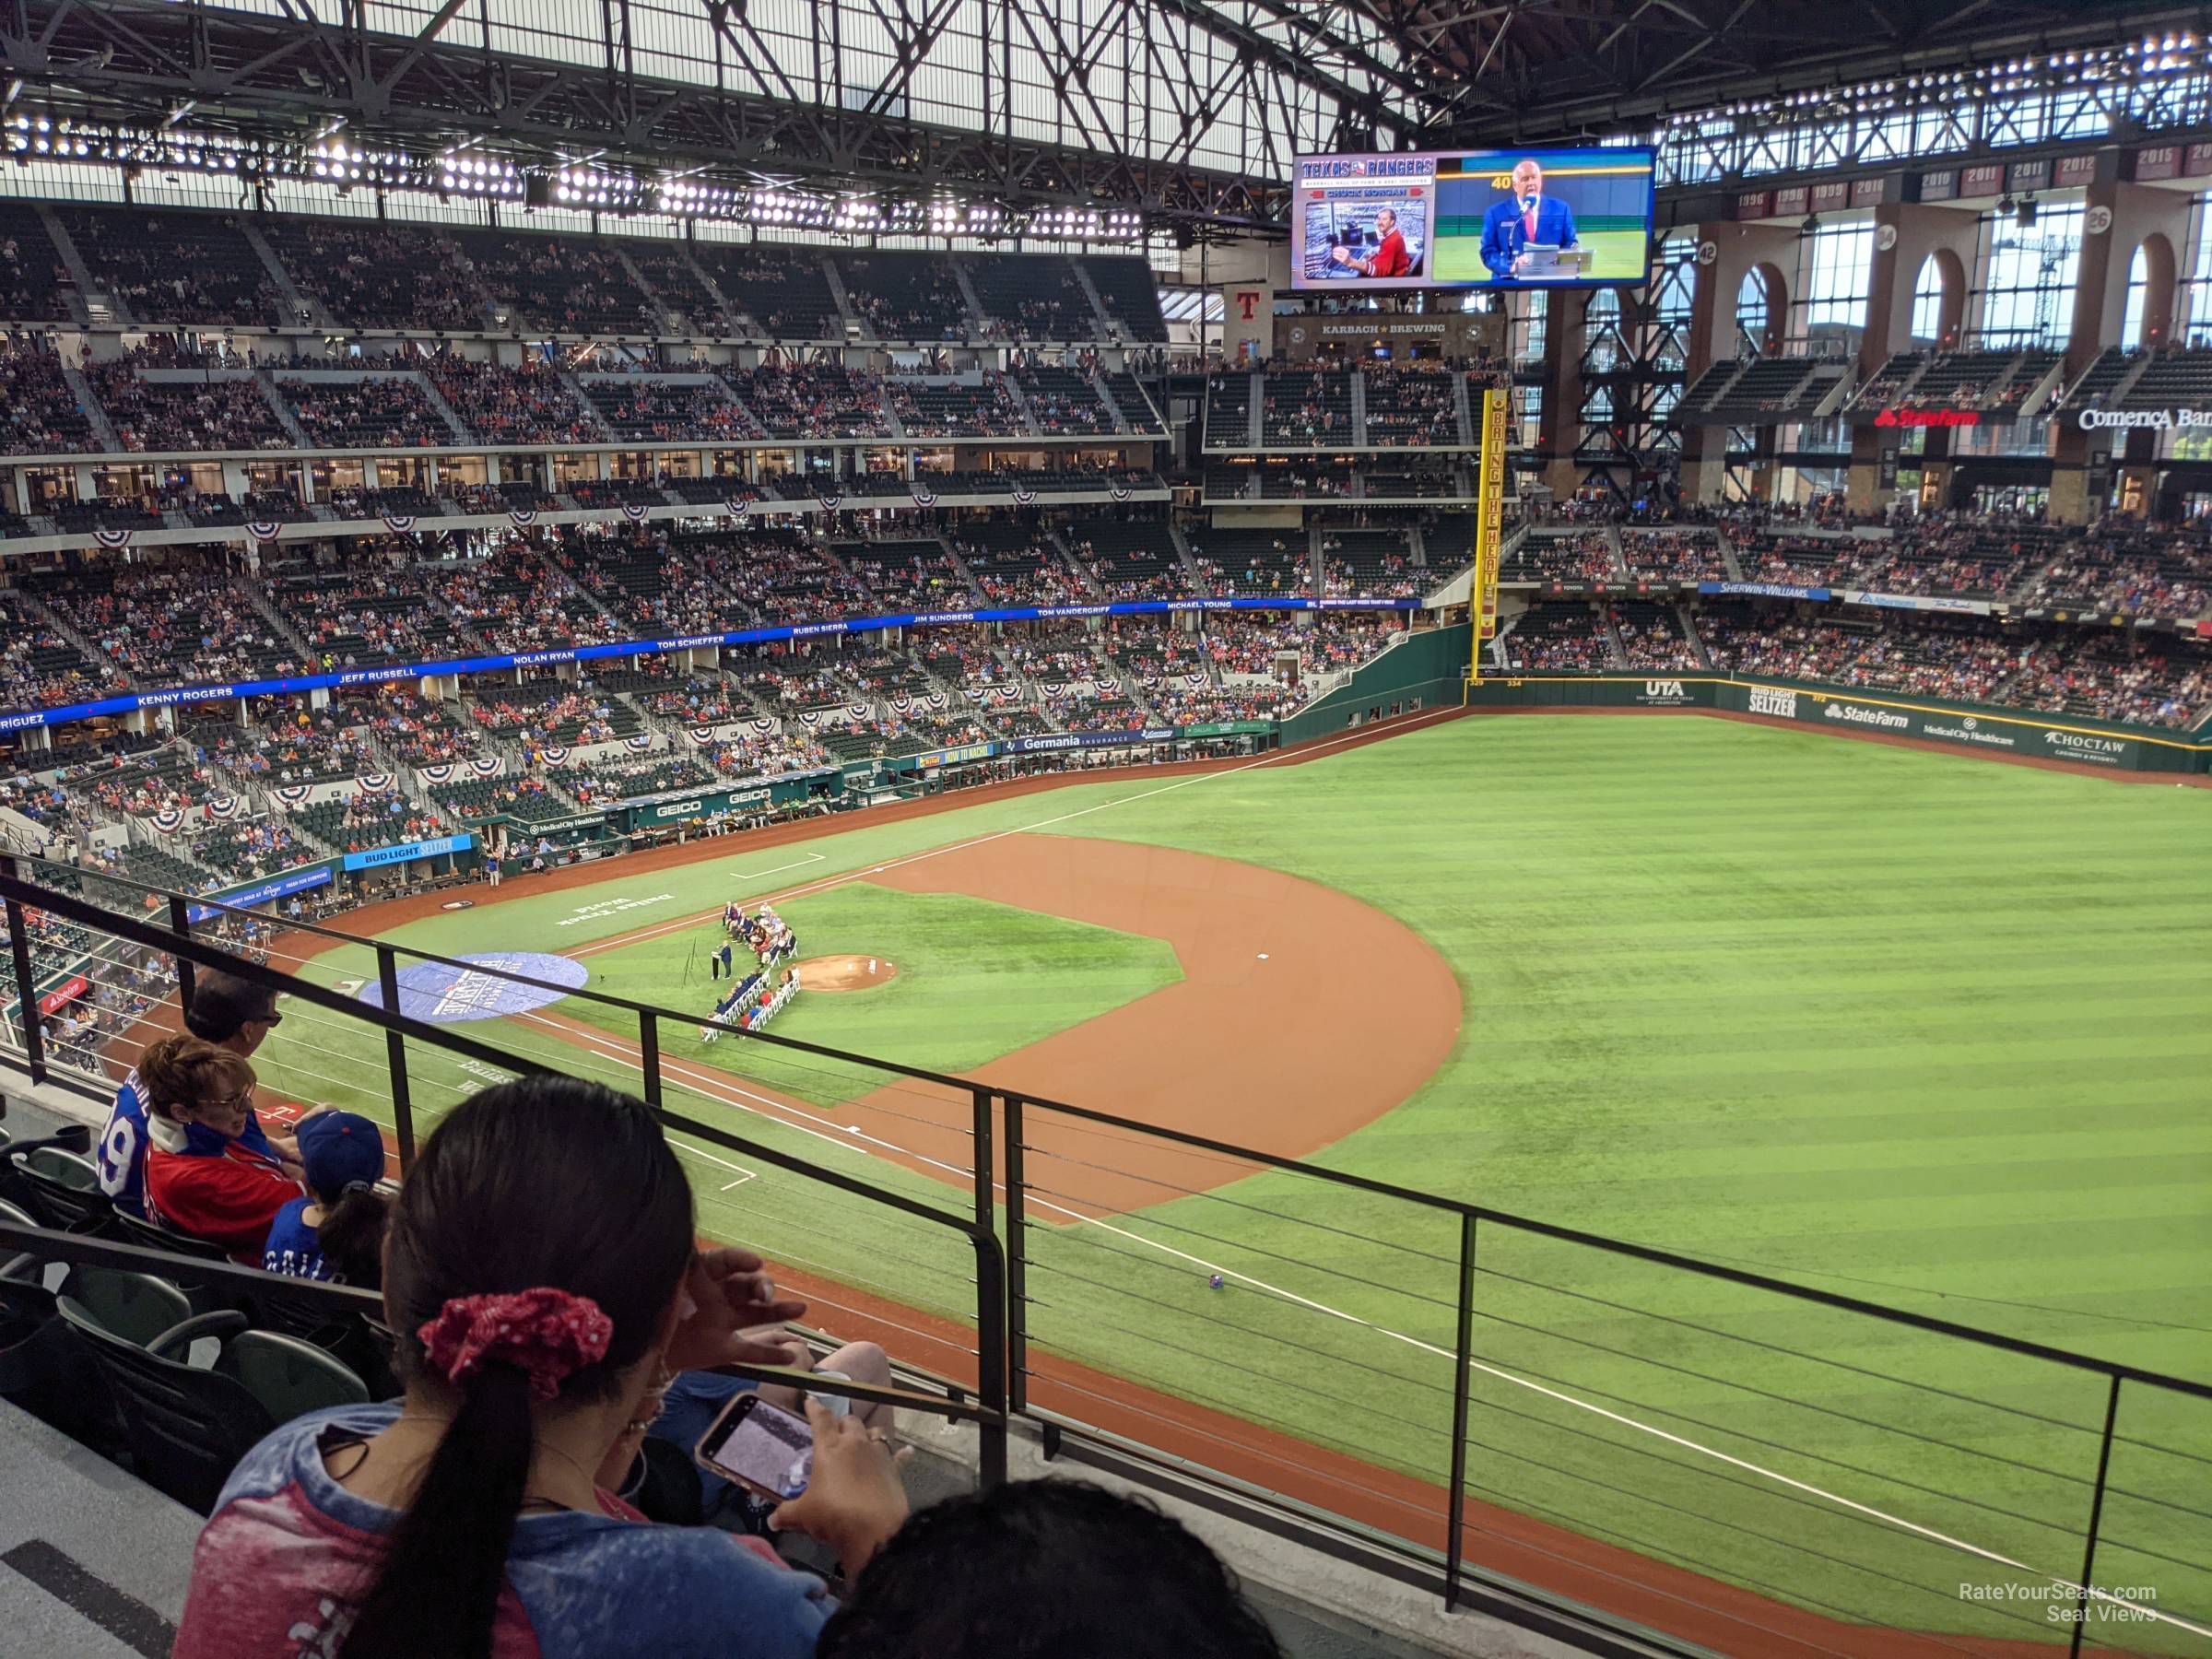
547, 1183
1045, 1569
229, 1011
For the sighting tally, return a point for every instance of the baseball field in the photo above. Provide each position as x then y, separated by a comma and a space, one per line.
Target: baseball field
1899, 1026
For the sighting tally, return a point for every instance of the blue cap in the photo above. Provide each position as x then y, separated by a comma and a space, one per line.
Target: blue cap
341, 1150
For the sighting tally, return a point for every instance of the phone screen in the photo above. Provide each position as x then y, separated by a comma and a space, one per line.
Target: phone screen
761, 1446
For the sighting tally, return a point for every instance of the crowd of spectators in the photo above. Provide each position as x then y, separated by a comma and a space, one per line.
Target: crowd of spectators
1673, 556
1650, 636
519, 600
296, 747
2112, 677
1412, 404
176, 267
662, 410
1014, 565
376, 411
812, 400
528, 402
39, 413
379, 276
39, 665
170, 624
1586, 557
241, 849
1561, 633
2145, 574
226, 412
560, 284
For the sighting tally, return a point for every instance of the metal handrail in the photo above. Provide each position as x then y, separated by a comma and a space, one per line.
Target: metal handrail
1001, 1297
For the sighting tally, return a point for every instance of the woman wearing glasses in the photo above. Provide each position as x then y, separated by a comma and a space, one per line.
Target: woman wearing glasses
203, 1176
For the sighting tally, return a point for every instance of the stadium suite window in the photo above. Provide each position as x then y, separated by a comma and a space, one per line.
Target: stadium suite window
2197, 328
1834, 274
1928, 304
2028, 272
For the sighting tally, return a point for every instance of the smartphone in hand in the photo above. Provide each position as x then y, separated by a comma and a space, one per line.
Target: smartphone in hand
761, 1447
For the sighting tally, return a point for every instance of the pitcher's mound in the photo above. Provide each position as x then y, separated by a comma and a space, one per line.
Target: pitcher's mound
845, 973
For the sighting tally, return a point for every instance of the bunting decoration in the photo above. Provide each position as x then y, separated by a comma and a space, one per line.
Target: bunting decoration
168, 819
262, 530
641, 742
765, 727
1022, 498
400, 523
937, 699
1007, 693
1194, 681
375, 783
1120, 492
856, 710
702, 736
1107, 688
293, 796
924, 498
1056, 688
810, 718
633, 511
488, 766
829, 500
736, 506
976, 694
554, 755
524, 517
442, 773
114, 541
223, 808
902, 702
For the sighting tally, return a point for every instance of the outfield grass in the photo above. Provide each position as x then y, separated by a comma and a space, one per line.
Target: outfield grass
1904, 1026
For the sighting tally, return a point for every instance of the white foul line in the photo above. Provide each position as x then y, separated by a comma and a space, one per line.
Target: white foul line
776, 870
1414, 723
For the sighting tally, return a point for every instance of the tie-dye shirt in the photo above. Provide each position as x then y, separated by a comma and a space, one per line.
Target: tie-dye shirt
286, 1541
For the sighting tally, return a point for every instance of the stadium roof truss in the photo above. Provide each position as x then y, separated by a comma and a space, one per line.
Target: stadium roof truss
1186, 109
1176, 112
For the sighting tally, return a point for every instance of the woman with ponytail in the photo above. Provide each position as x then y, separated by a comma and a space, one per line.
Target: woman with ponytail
541, 1278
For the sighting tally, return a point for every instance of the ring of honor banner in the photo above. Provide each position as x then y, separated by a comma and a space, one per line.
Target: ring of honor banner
1490, 520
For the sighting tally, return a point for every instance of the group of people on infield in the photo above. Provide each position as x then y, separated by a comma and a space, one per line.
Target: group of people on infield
753, 1001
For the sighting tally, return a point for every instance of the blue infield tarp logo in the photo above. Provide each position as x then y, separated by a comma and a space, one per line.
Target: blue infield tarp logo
445, 993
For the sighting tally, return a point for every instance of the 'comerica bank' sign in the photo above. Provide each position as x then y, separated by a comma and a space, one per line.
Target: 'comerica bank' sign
2090, 421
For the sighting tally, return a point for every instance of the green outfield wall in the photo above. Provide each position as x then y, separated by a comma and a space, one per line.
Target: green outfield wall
1425, 670
2106, 744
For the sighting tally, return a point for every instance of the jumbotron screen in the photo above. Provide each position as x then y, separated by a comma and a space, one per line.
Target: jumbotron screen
1474, 218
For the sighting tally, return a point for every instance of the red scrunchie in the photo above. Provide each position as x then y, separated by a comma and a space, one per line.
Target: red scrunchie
546, 1334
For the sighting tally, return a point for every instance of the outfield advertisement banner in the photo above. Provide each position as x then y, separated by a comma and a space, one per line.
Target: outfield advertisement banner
376, 858
711, 803
1974, 726
276, 887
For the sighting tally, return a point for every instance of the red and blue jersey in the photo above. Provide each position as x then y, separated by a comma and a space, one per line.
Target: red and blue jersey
215, 1188
122, 1143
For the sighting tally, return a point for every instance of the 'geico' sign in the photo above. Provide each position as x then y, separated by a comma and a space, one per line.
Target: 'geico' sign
2090, 420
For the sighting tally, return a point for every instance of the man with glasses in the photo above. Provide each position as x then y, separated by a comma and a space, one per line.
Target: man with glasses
229, 1013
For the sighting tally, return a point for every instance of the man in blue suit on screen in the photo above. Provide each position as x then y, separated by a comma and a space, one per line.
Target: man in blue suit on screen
1527, 218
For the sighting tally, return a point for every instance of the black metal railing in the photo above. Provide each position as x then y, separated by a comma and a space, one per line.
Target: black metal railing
1523, 1414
